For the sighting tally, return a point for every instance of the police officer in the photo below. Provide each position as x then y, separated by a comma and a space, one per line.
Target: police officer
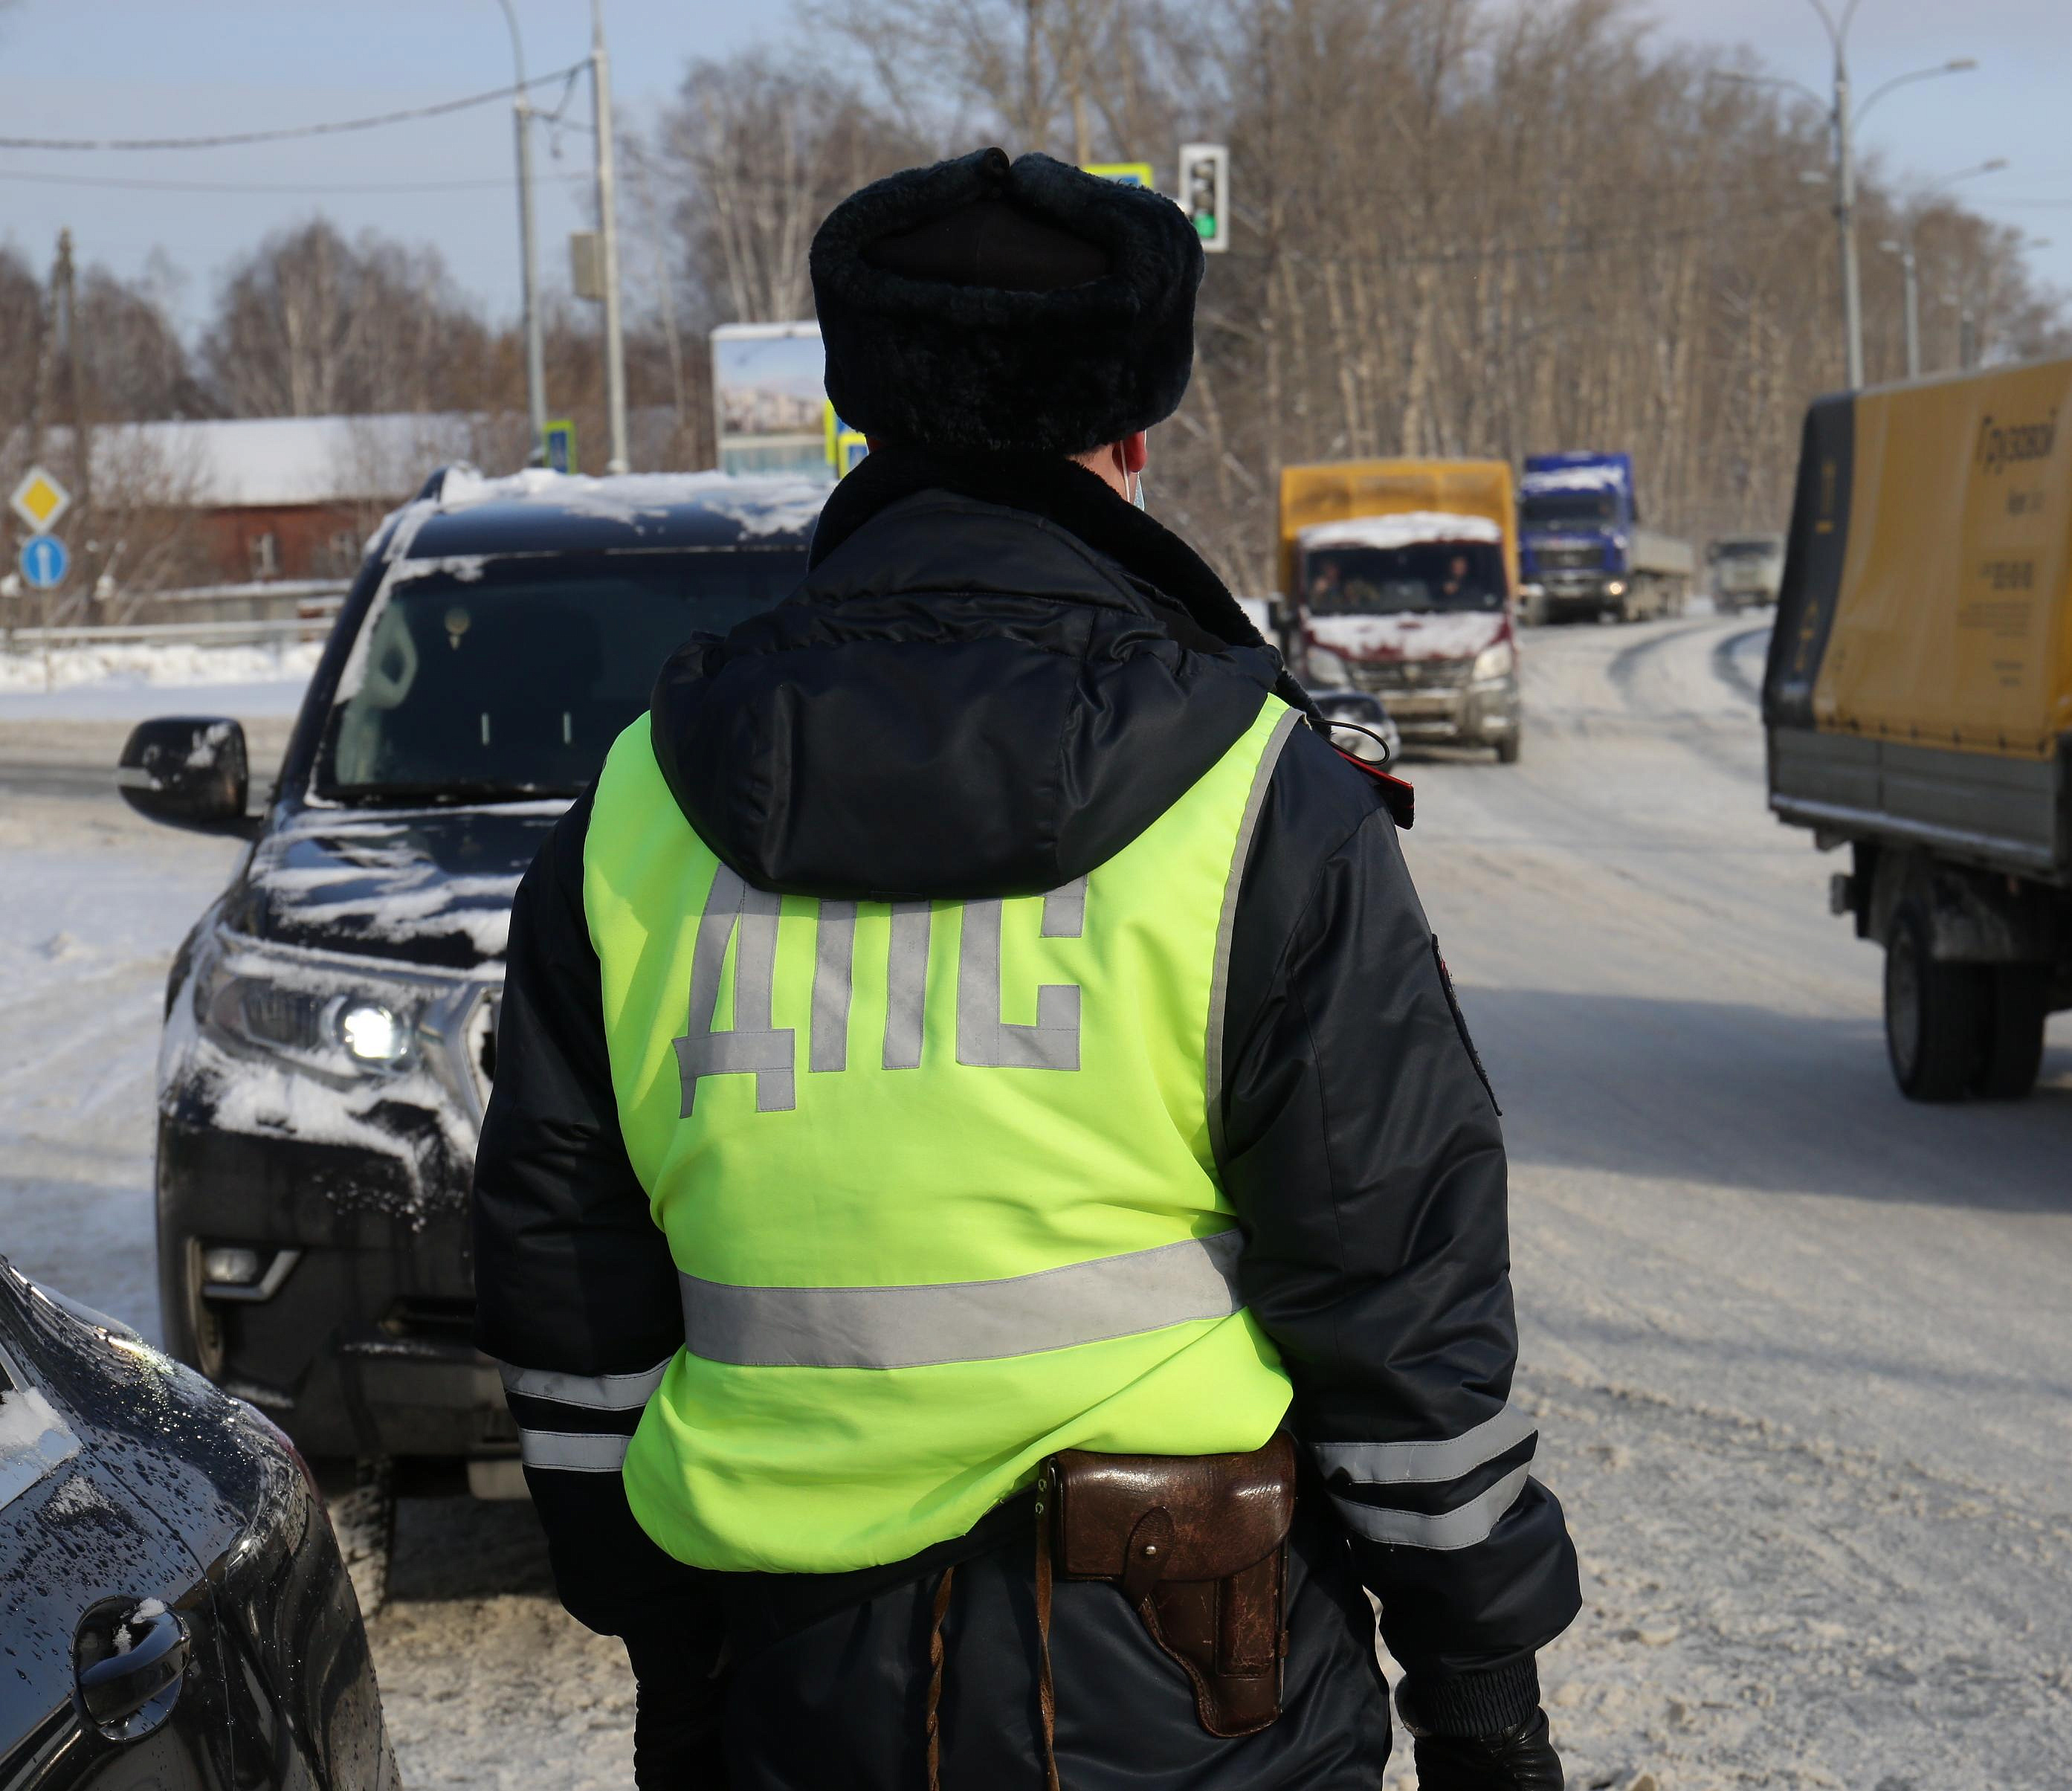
993, 1223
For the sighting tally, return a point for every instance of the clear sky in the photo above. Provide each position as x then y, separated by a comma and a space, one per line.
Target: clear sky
94, 68
2014, 105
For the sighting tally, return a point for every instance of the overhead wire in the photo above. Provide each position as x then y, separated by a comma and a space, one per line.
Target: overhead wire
237, 139
309, 187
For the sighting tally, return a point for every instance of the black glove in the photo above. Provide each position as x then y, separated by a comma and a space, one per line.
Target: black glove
1521, 1758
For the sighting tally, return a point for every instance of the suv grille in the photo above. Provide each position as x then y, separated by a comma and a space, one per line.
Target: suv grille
1403, 675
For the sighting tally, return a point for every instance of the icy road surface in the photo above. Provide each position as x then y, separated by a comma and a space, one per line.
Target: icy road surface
1802, 1352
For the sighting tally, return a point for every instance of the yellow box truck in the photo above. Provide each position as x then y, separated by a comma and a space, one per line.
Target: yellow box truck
1398, 578
1917, 703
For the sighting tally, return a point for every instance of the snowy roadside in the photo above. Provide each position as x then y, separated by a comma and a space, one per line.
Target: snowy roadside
131, 680
64, 741
96, 900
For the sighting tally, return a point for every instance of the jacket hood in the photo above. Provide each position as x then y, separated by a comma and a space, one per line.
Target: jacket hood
994, 678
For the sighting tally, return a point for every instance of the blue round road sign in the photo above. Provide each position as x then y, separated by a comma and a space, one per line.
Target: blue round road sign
44, 562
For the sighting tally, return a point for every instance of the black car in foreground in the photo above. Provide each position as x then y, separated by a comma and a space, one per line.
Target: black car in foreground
174, 1611
330, 1021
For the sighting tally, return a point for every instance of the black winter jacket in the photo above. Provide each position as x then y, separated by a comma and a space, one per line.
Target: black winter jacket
991, 679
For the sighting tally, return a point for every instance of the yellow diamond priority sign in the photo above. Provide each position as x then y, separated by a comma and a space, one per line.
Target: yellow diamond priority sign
40, 500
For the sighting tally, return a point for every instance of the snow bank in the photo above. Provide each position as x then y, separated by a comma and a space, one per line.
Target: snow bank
1406, 530
157, 665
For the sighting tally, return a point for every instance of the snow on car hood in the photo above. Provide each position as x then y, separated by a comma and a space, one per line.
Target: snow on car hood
430, 887
1457, 636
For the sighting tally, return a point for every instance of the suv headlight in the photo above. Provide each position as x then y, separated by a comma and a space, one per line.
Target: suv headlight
332, 1019
1498, 661
1322, 666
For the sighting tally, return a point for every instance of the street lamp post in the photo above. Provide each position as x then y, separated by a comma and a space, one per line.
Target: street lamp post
607, 226
1843, 120
1845, 204
1971, 345
1909, 262
1909, 272
536, 357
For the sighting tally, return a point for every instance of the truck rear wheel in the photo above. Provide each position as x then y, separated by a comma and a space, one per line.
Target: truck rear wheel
2018, 1005
1935, 1014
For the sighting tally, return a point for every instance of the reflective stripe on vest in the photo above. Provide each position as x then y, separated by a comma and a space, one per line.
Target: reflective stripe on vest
917, 1327
939, 1178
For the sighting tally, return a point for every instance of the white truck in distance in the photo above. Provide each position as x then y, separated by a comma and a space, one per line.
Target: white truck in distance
1397, 577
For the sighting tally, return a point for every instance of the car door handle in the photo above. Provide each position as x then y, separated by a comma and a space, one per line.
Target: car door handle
119, 1690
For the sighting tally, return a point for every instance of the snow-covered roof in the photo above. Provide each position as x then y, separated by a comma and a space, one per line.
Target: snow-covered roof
1598, 476
267, 462
761, 506
1405, 529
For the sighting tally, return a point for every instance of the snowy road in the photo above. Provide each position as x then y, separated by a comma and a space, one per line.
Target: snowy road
1802, 1352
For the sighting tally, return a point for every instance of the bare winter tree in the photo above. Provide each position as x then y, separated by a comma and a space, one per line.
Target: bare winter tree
135, 367
759, 151
23, 321
310, 324
1447, 242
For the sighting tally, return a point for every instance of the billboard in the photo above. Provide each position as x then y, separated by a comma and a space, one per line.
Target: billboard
769, 402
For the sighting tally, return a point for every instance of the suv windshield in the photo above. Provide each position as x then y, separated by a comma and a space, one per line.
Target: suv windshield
1748, 550
510, 677
1544, 508
1390, 581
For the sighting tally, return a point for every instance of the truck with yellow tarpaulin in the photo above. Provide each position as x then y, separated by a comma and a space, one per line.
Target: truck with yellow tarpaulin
1918, 705
1398, 578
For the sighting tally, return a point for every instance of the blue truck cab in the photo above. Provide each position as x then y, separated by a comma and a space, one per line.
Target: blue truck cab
1582, 551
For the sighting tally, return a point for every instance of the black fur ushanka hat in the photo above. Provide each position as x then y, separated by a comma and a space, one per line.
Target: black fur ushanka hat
981, 306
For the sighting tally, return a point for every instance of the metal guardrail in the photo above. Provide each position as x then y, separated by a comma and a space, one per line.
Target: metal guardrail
273, 590
260, 631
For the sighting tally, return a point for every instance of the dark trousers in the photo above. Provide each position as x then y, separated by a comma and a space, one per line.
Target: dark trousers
825, 1689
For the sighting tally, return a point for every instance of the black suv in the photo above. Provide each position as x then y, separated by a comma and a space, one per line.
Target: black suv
330, 1021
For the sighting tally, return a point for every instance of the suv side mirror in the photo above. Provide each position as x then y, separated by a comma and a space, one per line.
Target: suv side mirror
189, 771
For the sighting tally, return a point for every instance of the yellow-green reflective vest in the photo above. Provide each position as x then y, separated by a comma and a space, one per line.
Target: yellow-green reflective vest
937, 1178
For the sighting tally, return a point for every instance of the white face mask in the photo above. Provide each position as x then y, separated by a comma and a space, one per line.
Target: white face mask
1136, 496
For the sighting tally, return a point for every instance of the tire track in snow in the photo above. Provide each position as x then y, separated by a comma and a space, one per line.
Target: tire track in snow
1727, 665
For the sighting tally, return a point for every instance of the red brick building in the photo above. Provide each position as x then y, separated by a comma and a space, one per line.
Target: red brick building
287, 498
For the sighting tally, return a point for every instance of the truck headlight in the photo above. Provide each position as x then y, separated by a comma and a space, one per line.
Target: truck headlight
1322, 666
1499, 661
327, 1018
1615, 588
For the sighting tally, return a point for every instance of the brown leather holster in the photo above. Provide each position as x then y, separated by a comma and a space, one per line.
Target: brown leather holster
1199, 1545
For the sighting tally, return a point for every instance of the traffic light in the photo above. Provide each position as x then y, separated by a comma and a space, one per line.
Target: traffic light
1205, 192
